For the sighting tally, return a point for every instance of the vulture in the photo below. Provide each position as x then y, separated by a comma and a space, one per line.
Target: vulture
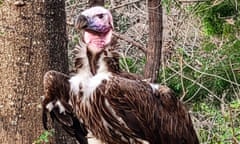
102, 102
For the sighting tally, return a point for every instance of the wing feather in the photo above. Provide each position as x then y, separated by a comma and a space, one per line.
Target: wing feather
155, 115
57, 92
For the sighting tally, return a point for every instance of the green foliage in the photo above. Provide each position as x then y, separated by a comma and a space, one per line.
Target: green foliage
215, 14
235, 104
75, 39
213, 68
1, 2
209, 46
121, 22
213, 72
1, 33
209, 76
168, 4
107, 4
71, 2
226, 128
44, 137
132, 65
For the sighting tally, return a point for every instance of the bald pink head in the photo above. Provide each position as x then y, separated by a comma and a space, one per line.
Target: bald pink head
97, 23
99, 19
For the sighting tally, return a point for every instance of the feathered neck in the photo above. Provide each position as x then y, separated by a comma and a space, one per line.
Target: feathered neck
105, 61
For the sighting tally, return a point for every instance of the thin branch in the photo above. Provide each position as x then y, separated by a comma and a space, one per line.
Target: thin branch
199, 84
189, 99
208, 74
181, 71
124, 59
125, 4
191, 1
128, 39
69, 23
234, 76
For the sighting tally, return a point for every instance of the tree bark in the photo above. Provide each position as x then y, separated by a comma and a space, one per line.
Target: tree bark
32, 41
154, 47
92, 3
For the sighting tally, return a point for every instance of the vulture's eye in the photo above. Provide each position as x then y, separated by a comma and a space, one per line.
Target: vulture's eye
100, 16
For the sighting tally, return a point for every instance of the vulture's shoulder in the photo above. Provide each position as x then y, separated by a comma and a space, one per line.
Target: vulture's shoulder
136, 89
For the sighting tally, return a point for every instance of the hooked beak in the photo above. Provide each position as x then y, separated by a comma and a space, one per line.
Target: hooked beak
96, 26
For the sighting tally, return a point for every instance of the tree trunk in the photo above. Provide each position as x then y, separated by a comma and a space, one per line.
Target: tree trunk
92, 3
32, 41
153, 54
57, 52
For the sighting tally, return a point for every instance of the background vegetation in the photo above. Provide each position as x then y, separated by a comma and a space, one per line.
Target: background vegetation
207, 72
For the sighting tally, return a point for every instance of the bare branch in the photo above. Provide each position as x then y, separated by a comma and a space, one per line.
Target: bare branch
128, 39
191, 1
199, 84
213, 75
125, 4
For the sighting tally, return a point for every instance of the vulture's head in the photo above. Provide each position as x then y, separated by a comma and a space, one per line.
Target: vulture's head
96, 26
